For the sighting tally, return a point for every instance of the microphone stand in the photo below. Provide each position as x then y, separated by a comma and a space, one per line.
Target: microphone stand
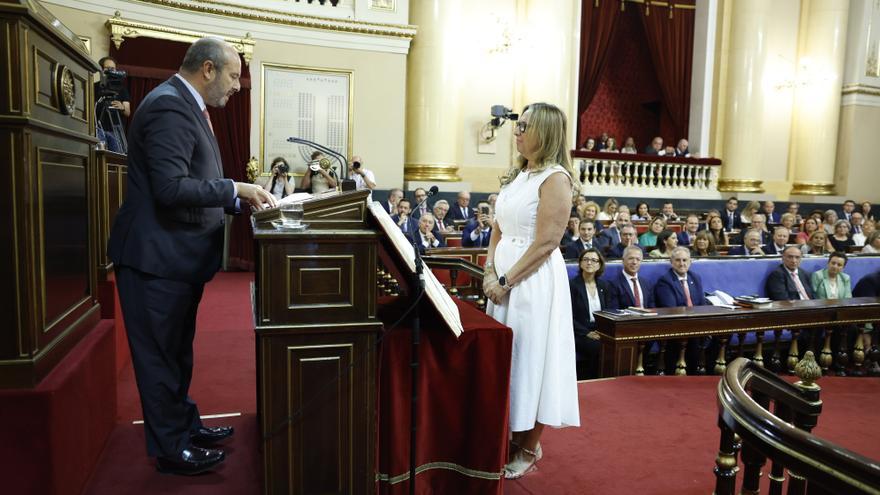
343, 162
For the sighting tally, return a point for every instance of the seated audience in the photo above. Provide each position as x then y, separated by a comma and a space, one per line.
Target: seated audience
793, 209
788, 221
629, 289
818, 215
627, 239
668, 213
810, 225
830, 282
849, 206
732, 220
817, 245
571, 231
282, 183
868, 228
603, 142
610, 146
609, 210
642, 213
589, 213
780, 239
494, 196
316, 178
586, 240
704, 244
363, 177
477, 231
656, 147
770, 213
629, 146
577, 203
420, 202
749, 211
751, 245
691, 226
841, 239
829, 219
441, 207
649, 238
404, 220
390, 204
788, 282
719, 234
623, 209
857, 230
611, 235
872, 243
666, 242
462, 210
590, 145
589, 293
866, 210
759, 223
679, 287
425, 236
682, 149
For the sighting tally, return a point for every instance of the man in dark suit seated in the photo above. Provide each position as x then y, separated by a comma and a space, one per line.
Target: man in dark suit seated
591, 265
390, 204
629, 289
691, 226
426, 236
587, 240
477, 231
868, 286
770, 213
460, 210
611, 236
656, 147
751, 245
848, 207
627, 238
788, 282
167, 242
730, 216
678, 286
780, 239
408, 225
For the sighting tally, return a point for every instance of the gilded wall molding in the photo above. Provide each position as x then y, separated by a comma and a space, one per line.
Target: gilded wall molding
287, 18
443, 173
740, 185
121, 28
861, 89
812, 189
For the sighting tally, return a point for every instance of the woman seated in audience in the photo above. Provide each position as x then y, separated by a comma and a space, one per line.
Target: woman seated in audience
610, 208
578, 201
810, 226
830, 282
868, 228
629, 146
818, 244
866, 210
589, 213
642, 212
588, 294
716, 230
750, 209
872, 243
704, 244
788, 220
611, 146
841, 239
623, 209
830, 218
571, 231
590, 145
666, 242
649, 238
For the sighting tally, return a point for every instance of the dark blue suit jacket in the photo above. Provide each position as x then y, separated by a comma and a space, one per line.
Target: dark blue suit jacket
868, 286
780, 287
773, 217
611, 237
623, 292
466, 235
411, 228
171, 223
737, 220
669, 294
574, 249
455, 212
741, 251
617, 251
417, 239
683, 239
580, 303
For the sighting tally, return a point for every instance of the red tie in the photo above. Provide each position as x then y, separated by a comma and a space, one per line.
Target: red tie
208, 118
636, 292
687, 293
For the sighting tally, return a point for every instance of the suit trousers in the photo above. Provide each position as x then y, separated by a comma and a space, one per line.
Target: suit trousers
160, 320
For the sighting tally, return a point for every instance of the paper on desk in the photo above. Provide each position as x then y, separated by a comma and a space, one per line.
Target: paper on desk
433, 288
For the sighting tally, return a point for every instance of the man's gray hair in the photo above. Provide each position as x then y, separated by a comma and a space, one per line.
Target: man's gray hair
204, 49
680, 250
441, 202
630, 249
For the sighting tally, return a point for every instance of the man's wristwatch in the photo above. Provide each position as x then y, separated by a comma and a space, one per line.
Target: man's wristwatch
503, 282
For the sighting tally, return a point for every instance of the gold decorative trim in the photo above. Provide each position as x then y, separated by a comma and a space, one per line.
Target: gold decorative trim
740, 185
730, 331
472, 473
65, 89
813, 188
444, 173
251, 13
120, 29
860, 89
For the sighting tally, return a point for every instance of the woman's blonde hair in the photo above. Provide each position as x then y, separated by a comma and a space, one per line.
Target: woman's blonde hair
751, 209
549, 123
583, 208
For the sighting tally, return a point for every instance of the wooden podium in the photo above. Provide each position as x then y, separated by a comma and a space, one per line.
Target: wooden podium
316, 331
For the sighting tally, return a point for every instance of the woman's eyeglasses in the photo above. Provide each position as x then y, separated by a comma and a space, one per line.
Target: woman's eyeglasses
521, 126
590, 260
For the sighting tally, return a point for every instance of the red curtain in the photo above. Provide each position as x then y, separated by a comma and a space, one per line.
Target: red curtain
150, 62
599, 20
670, 34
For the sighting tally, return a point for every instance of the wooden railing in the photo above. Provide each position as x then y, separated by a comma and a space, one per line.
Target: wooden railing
616, 174
748, 428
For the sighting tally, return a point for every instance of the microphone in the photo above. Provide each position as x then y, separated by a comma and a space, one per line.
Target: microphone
434, 190
338, 156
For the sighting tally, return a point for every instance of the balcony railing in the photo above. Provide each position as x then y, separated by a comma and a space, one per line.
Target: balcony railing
616, 174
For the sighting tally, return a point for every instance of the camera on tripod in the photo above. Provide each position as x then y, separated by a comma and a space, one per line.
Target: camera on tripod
111, 84
107, 90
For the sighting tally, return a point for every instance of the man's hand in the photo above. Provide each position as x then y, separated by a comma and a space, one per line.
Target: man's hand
483, 219
117, 105
256, 196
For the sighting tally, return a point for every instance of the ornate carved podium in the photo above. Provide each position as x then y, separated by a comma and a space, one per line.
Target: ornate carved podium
316, 331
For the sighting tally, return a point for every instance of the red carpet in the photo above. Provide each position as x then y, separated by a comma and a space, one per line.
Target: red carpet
648, 435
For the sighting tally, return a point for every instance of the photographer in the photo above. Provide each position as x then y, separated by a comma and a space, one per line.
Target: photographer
320, 177
363, 178
478, 230
280, 185
116, 99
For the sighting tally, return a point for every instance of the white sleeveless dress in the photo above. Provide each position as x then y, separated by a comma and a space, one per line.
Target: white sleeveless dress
543, 377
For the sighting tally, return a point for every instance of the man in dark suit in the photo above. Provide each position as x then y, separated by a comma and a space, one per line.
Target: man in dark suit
656, 147
678, 286
730, 216
426, 235
586, 240
477, 231
682, 150
611, 235
167, 241
758, 224
627, 238
421, 206
390, 204
408, 225
788, 282
751, 245
460, 210
769, 211
691, 226
868, 286
848, 207
780, 239
629, 289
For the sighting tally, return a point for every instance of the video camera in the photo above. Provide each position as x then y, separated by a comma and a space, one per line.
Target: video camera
500, 113
111, 84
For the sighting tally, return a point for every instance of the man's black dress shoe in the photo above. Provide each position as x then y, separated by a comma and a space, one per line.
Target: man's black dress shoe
209, 436
191, 460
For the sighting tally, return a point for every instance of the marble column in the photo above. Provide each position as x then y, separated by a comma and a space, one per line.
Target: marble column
743, 134
432, 100
821, 57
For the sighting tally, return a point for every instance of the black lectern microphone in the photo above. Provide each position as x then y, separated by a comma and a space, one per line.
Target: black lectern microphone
347, 183
434, 190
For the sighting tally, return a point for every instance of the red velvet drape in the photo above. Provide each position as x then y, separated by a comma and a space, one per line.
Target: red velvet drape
150, 62
671, 43
598, 25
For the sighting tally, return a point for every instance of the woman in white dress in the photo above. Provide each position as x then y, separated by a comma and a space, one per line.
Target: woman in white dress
526, 283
